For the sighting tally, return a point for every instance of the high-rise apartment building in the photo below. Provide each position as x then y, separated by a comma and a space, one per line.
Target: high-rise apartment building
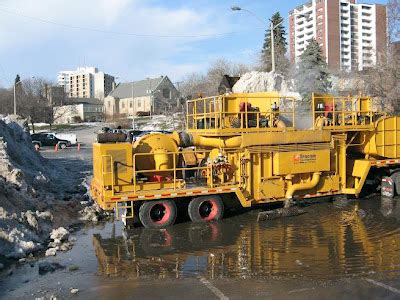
63, 80
86, 82
81, 85
352, 36
103, 85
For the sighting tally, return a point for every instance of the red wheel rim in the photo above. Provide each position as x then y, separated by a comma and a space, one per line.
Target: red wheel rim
208, 210
160, 213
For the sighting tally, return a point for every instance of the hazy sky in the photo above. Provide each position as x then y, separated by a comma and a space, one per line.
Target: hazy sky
131, 39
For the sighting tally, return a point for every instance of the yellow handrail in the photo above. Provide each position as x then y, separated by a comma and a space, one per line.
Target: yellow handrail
106, 173
213, 111
174, 169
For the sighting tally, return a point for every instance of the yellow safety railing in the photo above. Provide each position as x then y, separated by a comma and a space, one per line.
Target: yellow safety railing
224, 112
336, 112
208, 168
105, 172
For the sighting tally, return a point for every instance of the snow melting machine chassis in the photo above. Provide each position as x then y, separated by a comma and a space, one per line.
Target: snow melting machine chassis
245, 149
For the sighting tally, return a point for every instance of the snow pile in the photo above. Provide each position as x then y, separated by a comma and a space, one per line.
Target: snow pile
265, 82
163, 122
33, 192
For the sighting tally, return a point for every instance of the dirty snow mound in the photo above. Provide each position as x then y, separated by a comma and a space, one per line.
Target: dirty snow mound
254, 81
31, 192
163, 122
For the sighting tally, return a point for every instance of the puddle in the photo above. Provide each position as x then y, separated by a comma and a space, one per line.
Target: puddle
331, 241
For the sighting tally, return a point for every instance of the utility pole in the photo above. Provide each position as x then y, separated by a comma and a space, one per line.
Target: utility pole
15, 100
133, 106
272, 47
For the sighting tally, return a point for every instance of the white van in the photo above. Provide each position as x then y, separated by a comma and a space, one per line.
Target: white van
71, 137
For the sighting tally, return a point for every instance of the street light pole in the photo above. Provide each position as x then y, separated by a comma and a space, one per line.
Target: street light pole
15, 94
272, 29
272, 47
15, 99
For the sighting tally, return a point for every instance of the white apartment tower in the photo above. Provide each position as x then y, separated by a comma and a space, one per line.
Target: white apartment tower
352, 35
86, 82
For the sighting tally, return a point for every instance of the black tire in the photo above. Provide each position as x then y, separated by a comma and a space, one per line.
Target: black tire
396, 179
206, 208
157, 214
63, 145
36, 145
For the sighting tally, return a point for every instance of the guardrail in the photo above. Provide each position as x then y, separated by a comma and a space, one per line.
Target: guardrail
176, 176
239, 112
338, 112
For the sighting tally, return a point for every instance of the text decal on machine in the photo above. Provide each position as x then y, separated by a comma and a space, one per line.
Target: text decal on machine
304, 158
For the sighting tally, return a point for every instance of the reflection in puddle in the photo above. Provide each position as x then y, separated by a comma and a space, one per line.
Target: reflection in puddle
329, 241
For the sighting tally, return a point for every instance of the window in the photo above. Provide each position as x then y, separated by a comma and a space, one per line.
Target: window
123, 105
139, 103
166, 93
130, 104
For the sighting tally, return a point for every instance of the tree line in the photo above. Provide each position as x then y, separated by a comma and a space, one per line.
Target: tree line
31, 100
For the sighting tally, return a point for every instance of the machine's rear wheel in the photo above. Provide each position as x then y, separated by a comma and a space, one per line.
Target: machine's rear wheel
157, 214
396, 180
206, 208
36, 146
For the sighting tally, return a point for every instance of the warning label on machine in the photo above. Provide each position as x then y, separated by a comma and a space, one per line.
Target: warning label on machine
304, 158
301, 162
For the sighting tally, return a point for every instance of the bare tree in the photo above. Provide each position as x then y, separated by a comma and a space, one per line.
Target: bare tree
198, 84
393, 10
6, 101
383, 83
32, 103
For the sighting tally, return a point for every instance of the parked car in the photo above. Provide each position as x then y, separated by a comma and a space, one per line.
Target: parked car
71, 137
48, 139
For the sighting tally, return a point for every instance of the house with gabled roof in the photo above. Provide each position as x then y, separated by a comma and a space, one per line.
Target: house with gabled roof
143, 97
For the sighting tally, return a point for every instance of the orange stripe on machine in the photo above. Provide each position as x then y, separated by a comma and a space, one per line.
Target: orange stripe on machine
385, 162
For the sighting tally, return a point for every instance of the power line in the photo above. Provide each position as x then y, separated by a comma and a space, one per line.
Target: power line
111, 32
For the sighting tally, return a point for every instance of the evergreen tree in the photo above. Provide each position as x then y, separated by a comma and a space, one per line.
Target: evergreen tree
17, 79
312, 74
281, 62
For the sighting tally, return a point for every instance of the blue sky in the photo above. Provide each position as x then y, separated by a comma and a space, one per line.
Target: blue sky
32, 47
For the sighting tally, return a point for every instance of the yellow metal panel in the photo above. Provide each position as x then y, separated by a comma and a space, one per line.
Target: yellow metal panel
272, 188
301, 162
328, 184
361, 168
388, 137
120, 156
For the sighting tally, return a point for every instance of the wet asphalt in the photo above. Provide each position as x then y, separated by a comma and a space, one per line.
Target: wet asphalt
348, 249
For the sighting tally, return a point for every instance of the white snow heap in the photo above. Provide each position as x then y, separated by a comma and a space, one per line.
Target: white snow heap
255, 81
260, 82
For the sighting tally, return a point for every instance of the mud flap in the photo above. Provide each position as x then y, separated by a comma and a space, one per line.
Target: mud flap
387, 187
